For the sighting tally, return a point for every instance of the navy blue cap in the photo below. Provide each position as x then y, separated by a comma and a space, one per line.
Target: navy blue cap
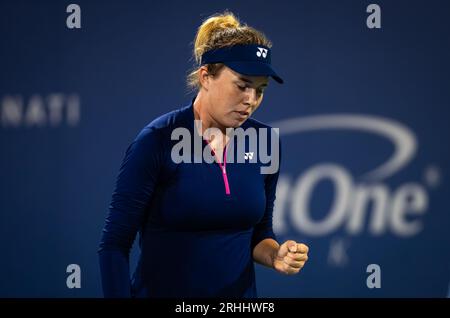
248, 59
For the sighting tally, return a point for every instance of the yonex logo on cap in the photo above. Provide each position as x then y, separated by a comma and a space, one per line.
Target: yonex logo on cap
261, 51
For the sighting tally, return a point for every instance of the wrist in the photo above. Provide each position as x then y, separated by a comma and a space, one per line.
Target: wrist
273, 257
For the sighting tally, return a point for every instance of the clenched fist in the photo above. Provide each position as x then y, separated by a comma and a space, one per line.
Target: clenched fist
291, 257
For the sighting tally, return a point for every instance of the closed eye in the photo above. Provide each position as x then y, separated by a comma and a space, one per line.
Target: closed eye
242, 88
259, 91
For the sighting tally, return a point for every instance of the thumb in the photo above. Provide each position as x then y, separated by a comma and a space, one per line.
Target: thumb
288, 246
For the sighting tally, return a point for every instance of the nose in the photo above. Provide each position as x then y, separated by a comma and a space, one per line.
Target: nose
251, 97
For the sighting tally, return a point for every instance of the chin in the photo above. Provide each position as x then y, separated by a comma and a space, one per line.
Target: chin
234, 122
237, 124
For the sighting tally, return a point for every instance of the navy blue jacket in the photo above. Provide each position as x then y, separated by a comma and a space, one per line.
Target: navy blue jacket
197, 224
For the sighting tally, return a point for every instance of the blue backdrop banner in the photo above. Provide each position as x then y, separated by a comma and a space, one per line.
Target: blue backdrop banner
363, 118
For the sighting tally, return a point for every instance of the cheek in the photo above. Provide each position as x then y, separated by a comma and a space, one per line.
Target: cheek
228, 98
221, 94
234, 95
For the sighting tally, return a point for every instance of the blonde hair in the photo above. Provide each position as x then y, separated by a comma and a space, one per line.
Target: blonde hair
217, 31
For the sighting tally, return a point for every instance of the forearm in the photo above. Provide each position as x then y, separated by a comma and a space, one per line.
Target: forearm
265, 252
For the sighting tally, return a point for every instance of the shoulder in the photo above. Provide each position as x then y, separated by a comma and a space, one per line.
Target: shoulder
266, 133
260, 126
162, 125
252, 122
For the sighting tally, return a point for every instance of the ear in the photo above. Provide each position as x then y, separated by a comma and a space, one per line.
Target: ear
203, 77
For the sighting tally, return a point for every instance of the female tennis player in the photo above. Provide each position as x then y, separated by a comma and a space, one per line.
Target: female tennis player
201, 225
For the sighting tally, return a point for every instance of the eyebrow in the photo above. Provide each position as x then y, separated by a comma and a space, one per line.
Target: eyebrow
249, 81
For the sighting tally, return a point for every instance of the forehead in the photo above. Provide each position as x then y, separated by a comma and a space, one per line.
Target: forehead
257, 80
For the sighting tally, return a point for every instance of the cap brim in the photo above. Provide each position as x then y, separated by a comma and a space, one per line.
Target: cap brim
254, 69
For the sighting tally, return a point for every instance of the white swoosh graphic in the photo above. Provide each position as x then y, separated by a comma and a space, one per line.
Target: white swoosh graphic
401, 136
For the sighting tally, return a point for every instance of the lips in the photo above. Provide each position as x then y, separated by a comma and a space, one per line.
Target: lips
243, 113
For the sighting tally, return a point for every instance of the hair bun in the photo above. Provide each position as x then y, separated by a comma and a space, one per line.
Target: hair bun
212, 25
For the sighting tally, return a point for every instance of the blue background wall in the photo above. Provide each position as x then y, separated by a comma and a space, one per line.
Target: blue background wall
127, 64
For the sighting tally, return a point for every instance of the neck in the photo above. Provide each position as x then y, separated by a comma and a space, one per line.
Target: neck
201, 112
201, 109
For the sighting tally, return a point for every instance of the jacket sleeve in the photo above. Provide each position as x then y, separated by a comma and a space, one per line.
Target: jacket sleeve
264, 229
134, 187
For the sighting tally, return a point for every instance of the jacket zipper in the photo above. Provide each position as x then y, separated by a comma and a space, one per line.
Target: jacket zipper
224, 172
223, 168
